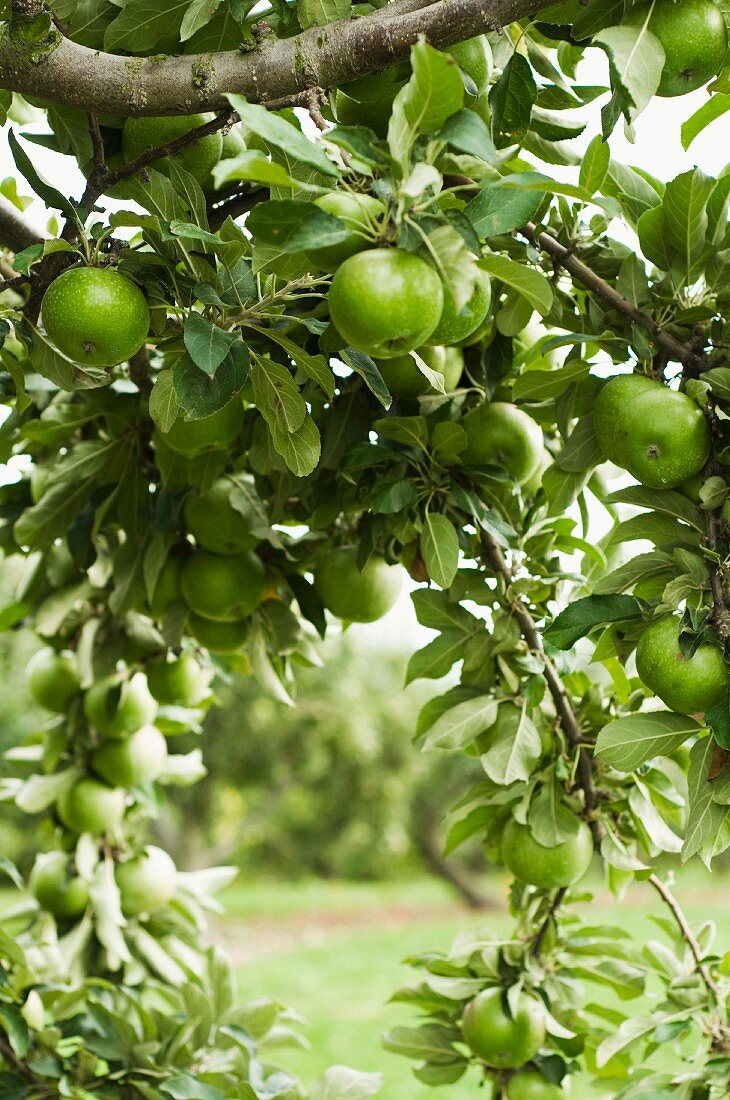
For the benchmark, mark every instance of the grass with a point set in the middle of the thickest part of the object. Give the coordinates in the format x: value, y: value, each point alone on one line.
x: 340, y: 978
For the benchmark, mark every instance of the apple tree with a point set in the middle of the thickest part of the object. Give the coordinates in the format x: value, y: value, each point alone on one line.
x: 345, y: 320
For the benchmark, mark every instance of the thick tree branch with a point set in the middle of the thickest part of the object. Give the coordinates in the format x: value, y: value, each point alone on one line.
x: 76, y: 76
x: 676, y: 350
x: 15, y: 233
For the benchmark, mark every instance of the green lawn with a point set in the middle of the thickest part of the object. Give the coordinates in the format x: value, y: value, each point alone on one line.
x: 340, y: 978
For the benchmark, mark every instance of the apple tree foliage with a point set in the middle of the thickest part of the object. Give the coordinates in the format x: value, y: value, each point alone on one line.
x: 485, y: 490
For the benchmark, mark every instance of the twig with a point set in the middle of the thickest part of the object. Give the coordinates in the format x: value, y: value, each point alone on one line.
x: 563, y: 706
x: 7, y: 1052
x: 549, y: 917
x: 687, y: 934
x: 235, y: 205
x: 677, y: 350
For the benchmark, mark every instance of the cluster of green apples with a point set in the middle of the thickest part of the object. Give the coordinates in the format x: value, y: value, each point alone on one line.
x: 121, y: 749
x: 663, y: 439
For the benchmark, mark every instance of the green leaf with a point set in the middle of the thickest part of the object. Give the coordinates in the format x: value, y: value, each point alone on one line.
x: 437, y: 658
x: 531, y: 284
x: 432, y: 1043
x: 500, y: 208
x: 456, y: 264
x: 459, y: 726
x: 187, y: 1087
x: 198, y: 15
x: 364, y: 366
x: 545, y: 385
x: 277, y: 394
x: 468, y: 133
x: 314, y: 366
x: 581, y: 450
x: 436, y: 611
x: 512, y: 99
x: 715, y: 107
x: 685, y: 216
x: 207, y: 344
x: 514, y: 748
x: 582, y: 616
x: 293, y: 225
x: 665, y: 501
x: 199, y: 395
x: 164, y: 407
x: 276, y: 131
x: 143, y: 23
x: 627, y: 743
x: 317, y: 13
x: 706, y: 818
x: 594, y: 166
x: 434, y: 92
x: 440, y: 548
x: 636, y: 61
x: 341, y: 1083
x: 53, y: 199
x: 300, y: 449
x: 254, y: 165
x: 551, y: 821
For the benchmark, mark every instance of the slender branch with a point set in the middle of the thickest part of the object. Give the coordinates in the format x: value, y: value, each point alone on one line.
x: 77, y: 76
x: 15, y: 233
x: 235, y: 205
x: 9, y: 1055
x: 563, y: 706
x: 549, y: 918
x: 677, y: 350
x: 687, y: 934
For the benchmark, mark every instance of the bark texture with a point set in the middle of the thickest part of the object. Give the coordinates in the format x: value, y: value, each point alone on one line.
x: 73, y: 75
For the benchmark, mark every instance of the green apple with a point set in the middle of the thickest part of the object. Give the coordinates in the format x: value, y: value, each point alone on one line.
x: 146, y: 882
x: 404, y: 379
x: 120, y: 704
x: 216, y: 636
x: 56, y: 888
x: 215, y: 524
x: 138, y: 759
x: 501, y: 1039
x: 547, y: 868
x: 178, y: 681
x: 223, y: 588
x: 500, y: 434
x: 611, y: 406
x: 360, y: 213
x: 688, y: 685
x: 90, y: 806
x: 386, y: 302
x: 53, y: 679
x: 353, y: 594
x: 457, y: 327
x: 693, y: 35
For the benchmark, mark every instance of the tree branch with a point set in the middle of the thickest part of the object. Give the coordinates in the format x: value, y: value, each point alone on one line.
x: 9, y: 1056
x: 15, y: 233
x: 77, y: 76
x: 563, y: 706
x: 687, y: 934
x: 677, y: 350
